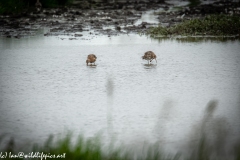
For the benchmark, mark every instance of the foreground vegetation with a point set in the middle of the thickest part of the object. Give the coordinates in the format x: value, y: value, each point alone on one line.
x: 91, y: 149
x: 213, y: 25
x: 207, y: 141
x: 82, y: 149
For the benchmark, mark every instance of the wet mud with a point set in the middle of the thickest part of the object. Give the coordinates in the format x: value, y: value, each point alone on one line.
x: 81, y: 20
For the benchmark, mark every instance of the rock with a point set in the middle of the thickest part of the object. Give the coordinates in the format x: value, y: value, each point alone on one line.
x: 143, y: 25
x: 17, y: 36
x: 3, y: 22
x: 78, y: 35
x: 7, y: 33
x: 118, y: 28
x: 78, y: 13
x: 138, y: 7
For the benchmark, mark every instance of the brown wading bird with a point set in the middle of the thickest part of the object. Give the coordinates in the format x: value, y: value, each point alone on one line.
x: 149, y: 56
x: 91, y: 58
x: 38, y: 5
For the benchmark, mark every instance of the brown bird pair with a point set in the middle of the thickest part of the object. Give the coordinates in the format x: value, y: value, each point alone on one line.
x: 149, y: 56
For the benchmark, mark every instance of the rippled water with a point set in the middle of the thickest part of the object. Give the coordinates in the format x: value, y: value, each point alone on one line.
x: 46, y: 87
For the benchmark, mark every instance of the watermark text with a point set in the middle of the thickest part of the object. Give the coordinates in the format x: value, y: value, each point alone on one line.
x: 41, y: 155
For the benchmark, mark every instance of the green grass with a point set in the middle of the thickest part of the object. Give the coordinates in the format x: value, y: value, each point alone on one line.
x: 214, y: 25
x: 87, y: 149
x: 92, y: 149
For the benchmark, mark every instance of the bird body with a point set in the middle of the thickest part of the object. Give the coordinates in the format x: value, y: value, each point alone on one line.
x: 91, y: 58
x: 149, y: 56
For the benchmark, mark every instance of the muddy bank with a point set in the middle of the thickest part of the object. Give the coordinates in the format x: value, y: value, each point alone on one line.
x: 86, y: 19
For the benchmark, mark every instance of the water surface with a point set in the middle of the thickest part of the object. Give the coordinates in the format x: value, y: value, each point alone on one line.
x: 46, y: 87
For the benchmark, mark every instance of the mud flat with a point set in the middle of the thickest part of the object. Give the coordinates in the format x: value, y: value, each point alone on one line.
x: 91, y: 19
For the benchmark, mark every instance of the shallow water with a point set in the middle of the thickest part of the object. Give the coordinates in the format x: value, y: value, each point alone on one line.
x: 46, y: 87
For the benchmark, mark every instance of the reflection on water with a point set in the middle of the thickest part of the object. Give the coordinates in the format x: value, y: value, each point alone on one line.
x: 150, y: 66
x: 92, y: 66
x: 148, y: 17
x: 46, y: 88
x: 199, y: 39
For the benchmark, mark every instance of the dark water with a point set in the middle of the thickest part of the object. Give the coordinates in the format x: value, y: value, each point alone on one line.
x: 46, y: 88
